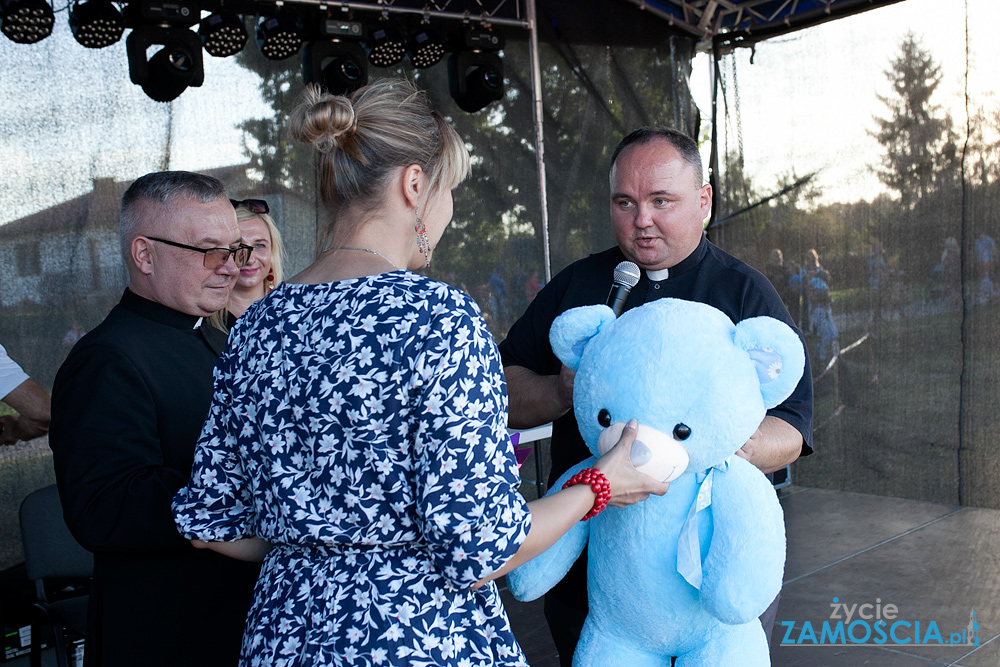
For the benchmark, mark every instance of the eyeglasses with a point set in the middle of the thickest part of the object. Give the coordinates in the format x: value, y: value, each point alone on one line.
x: 258, y: 206
x: 215, y: 257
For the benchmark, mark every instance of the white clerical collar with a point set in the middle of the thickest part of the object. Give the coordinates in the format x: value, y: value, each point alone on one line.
x: 656, y: 276
x: 198, y: 323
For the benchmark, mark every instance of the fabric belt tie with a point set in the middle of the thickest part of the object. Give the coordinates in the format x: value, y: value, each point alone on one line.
x: 689, y: 543
x: 341, y: 549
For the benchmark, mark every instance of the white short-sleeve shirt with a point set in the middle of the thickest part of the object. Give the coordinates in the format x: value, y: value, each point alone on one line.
x: 11, y: 374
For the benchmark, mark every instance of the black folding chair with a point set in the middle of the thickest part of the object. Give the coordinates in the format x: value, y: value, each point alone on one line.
x: 60, y: 568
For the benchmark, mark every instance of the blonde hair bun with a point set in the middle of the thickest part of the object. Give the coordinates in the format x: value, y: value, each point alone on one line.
x: 366, y: 136
x: 323, y: 120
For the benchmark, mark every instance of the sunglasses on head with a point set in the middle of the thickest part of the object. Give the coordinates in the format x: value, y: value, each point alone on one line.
x: 258, y: 206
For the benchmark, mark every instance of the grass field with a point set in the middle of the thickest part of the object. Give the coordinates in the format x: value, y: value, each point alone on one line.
x: 913, y: 410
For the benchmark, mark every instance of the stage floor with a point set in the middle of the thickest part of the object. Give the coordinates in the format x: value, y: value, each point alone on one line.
x: 935, y: 563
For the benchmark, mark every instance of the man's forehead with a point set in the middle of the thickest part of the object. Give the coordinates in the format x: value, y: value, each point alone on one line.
x: 657, y: 160
x: 654, y: 179
x: 202, y: 221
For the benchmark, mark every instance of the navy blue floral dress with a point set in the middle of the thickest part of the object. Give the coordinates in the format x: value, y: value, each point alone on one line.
x: 360, y: 427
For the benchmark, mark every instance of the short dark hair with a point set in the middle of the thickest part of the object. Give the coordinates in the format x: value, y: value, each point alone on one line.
x: 685, y: 145
x: 163, y: 187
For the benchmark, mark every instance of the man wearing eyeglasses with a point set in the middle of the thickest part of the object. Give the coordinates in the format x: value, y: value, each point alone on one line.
x: 128, y: 405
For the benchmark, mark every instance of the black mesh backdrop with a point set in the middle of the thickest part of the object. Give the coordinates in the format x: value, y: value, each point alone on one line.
x: 76, y: 132
x: 873, y: 141
x: 593, y: 96
x: 908, y: 407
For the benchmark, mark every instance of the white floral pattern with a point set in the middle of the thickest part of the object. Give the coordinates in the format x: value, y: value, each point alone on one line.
x: 360, y: 426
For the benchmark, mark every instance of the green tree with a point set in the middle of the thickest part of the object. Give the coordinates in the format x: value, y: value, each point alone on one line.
x: 917, y: 136
x: 740, y: 220
x: 593, y: 95
x: 983, y: 153
x: 277, y: 160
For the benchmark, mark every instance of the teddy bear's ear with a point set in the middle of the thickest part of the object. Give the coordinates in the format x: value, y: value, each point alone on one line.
x: 572, y: 330
x: 776, y: 353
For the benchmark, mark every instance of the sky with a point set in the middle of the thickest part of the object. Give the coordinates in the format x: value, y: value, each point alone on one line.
x: 808, y: 99
x: 69, y: 114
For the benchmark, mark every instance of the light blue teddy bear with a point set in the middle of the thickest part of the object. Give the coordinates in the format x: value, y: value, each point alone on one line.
x: 686, y: 574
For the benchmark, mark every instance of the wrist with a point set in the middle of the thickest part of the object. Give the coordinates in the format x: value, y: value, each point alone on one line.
x: 598, y: 484
x: 564, y: 398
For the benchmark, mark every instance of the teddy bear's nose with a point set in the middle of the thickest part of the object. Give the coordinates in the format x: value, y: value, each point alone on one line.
x: 640, y: 454
x: 653, y: 453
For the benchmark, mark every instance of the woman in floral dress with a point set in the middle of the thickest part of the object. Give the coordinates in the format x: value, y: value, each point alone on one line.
x: 357, y: 439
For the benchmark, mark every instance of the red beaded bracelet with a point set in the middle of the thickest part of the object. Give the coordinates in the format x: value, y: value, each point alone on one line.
x: 599, y: 483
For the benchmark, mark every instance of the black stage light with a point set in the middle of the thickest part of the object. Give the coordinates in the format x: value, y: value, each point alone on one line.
x: 338, y: 66
x: 426, y: 47
x: 163, y: 12
x: 280, y: 36
x: 475, y: 79
x: 96, y: 23
x: 170, y: 70
x: 26, y: 21
x: 342, y: 29
x: 386, y: 45
x: 475, y: 75
x: 223, y: 34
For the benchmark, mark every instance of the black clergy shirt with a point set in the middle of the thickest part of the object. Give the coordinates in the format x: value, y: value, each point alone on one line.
x: 128, y: 405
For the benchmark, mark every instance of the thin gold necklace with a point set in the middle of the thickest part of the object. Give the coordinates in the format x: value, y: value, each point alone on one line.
x: 369, y: 251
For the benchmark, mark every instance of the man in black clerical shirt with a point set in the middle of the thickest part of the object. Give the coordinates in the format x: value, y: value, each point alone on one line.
x: 659, y: 203
x: 128, y: 405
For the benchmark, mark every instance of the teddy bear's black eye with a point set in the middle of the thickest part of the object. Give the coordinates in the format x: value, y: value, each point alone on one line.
x: 682, y: 432
x: 604, y: 418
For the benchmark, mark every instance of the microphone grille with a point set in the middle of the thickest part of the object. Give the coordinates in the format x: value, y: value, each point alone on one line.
x: 627, y: 273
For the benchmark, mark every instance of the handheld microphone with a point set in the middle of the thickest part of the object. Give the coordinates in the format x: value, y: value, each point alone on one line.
x: 626, y: 276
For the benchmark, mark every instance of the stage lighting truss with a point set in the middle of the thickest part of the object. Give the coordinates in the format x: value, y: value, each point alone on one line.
x: 96, y: 24
x: 426, y: 47
x: 162, y: 12
x: 386, y: 45
x: 475, y: 72
x: 26, y: 21
x: 169, y: 71
x: 279, y: 36
x: 223, y: 33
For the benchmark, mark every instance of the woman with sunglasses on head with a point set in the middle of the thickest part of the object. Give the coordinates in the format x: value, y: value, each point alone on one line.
x: 263, y: 271
x: 359, y: 423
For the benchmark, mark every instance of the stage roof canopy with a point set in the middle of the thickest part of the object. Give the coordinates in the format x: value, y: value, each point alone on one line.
x: 725, y: 22
x: 743, y: 21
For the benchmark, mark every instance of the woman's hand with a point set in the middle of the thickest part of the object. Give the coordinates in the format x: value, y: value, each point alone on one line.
x: 250, y: 549
x: 556, y: 513
x: 628, y: 485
